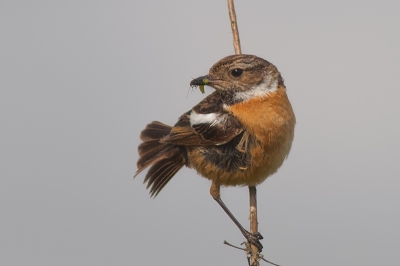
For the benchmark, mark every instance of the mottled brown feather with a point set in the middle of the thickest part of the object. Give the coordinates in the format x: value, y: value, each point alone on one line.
x: 165, y: 159
x: 183, y: 133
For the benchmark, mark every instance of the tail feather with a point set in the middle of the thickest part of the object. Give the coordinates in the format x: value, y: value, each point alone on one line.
x: 155, y: 131
x: 150, y: 154
x: 150, y: 150
x: 165, y: 159
x: 162, y: 172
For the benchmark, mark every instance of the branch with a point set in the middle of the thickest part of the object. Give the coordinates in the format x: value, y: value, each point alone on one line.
x: 235, y: 30
x: 253, y: 224
x: 247, y: 250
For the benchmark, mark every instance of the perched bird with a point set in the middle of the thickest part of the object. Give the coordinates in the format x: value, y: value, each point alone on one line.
x: 238, y: 135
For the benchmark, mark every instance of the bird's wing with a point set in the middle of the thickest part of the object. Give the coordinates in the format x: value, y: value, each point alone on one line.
x: 206, y: 124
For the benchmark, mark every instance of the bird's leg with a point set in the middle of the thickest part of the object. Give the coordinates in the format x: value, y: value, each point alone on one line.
x: 251, y: 238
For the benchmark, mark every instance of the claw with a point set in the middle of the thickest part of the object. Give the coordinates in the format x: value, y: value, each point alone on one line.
x: 254, y: 239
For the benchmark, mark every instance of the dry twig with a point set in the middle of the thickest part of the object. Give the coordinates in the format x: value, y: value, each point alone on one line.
x: 235, y: 30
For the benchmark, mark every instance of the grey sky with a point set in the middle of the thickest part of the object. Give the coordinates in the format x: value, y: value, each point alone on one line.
x: 79, y: 80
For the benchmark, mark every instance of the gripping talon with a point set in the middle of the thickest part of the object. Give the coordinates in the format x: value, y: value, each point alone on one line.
x: 254, y: 239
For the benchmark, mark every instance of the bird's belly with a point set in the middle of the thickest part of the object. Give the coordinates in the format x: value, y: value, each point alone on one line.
x: 233, y: 165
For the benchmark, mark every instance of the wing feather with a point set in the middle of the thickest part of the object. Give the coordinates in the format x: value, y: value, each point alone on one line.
x: 221, y: 128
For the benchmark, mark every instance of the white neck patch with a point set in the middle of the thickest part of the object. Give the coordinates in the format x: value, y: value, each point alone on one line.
x: 262, y: 89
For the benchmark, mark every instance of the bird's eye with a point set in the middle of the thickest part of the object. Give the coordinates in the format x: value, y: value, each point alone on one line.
x: 237, y: 72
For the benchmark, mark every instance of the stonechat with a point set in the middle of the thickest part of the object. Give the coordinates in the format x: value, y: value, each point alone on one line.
x: 238, y: 135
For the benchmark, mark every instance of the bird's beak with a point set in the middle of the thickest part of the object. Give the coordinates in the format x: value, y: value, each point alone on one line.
x: 201, y: 81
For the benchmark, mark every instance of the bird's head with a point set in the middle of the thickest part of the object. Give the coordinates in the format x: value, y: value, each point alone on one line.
x: 241, y: 77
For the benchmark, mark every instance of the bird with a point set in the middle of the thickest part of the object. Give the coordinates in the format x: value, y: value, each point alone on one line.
x: 238, y: 135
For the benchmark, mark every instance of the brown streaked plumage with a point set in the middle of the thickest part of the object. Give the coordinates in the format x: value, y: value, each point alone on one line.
x: 238, y: 135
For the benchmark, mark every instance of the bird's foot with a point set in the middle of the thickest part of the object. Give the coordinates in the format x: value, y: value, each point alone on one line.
x: 254, y: 239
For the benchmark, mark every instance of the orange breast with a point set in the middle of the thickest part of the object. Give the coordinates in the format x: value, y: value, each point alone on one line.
x: 266, y: 117
x: 270, y: 121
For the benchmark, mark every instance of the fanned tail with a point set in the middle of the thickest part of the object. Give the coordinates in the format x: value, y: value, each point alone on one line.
x: 165, y: 159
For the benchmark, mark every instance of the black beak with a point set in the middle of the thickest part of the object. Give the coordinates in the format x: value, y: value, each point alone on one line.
x: 200, y: 81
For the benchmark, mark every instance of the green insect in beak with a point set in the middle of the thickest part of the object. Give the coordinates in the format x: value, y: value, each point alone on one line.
x: 201, y: 82
x: 201, y: 88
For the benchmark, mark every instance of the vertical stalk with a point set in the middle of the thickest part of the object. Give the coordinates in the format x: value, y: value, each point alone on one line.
x: 235, y: 30
x: 253, y: 224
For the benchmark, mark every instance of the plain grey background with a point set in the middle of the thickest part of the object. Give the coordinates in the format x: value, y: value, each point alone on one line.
x: 79, y: 80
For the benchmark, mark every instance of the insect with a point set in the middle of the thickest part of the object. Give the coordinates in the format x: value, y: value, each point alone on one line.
x: 201, y: 88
